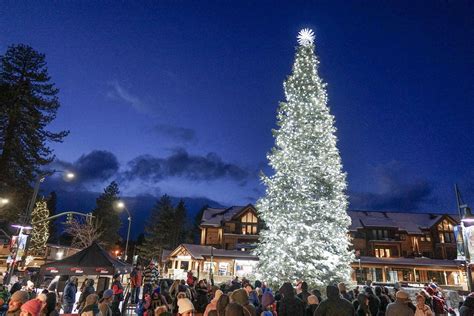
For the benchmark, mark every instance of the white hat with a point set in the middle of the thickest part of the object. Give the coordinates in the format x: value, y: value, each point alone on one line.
x: 185, y: 305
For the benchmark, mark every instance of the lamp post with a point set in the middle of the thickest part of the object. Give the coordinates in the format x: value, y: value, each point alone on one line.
x: 121, y: 205
x: 39, y: 179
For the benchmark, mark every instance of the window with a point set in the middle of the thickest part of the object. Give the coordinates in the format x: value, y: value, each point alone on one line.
x: 445, y: 232
x: 249, y: 224
x: 184, y: 265
x: 382, y: 252
x: 379, y: 234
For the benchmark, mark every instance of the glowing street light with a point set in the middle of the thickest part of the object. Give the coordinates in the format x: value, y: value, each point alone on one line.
x: 70, y: 175
x: 4, y: 201
x: 121, y: 205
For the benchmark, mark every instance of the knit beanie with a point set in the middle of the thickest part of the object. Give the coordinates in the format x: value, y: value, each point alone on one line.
x: 33, y: 307
x: 20, y: 296
x: 185, y: 305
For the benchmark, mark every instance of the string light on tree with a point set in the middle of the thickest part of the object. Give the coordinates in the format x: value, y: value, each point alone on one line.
x: 40, y: 231
x: 304, y: 208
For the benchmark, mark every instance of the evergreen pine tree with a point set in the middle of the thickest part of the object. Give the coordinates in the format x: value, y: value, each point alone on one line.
x: 28, y: 103
x: 179, y: 224
x: 107, y: 216
x: 306, y: 234
x: 159, y: 232
x: 52, y: 204
x: 40, y: 231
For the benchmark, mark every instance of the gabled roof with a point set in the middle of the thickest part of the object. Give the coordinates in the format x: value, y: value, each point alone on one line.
x: 412, y: 223
x: 199, y: 252
x: 214, y: 217
x: 93, y: 260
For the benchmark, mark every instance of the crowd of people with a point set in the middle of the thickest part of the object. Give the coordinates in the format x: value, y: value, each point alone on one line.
x: 152, y: 296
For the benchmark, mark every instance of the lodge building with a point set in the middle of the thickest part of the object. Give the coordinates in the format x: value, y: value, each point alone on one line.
x: 389, y: 247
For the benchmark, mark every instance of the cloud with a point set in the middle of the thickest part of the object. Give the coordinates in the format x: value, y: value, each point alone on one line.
x: 183, y: 165
x: 395, y: 191
x: 177, y: 133
x: 118, y: 92
x: 96, y: 166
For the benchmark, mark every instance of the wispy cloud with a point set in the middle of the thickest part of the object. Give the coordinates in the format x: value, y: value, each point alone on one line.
x: 182, y: 134
x: 118, y: 92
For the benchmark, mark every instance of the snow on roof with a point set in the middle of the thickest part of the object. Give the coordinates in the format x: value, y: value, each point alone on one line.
x: 215, y: 216
x: 198, y: 252
x: 412, y: 223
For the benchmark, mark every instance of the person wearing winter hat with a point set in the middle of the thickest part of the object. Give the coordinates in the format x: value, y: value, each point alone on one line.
x: 185, y: 307
x: 222, y: 303
x: 16, y: 301
x: 400, y: 306
x: 31, y: 308
x: 241, y: 297
x: 213, y: 304
x: 105, y: 302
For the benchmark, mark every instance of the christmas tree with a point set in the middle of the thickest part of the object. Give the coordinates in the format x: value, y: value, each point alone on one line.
x: 40, y: 231
x: 304, y: 208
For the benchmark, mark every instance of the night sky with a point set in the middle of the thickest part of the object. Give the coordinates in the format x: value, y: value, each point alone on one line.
x: 180, y: 97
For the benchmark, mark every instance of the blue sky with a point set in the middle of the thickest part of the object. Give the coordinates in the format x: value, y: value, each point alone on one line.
x: 180, y: 97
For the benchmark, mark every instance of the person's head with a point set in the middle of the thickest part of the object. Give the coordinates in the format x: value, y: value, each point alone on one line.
x: 378, y: 290
x: 239, y: 296
x: 248, y: 288
x: 332, y: 292
x: 342, y: 287
x: 90, y: 282
x: 267, y: 300
x: 50, y: 302
x: 73, y: 280
x: 92, y: 299
x: 181, y: 295
x: 31, y: 308
x: 222, y: 303
x: 160, y: 310
x: 420, y: 299
x: 30, y: 285
x: 369, y: 291
x: 234, y: 309
x: 185, y: 307
x: 259, y: 291
x: 304, y: 286
x: 402, y: 296
x: 287, y: 290
x: 108, y: 296
x: 117, y: 277
x: 217, y: 295
x: 18, y: 298
x: 363, y: 299
x: 313, y: 300
x: 258, y: 284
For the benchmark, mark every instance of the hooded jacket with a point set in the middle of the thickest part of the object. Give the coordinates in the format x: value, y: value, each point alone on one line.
x: 241, y: 297
x: 334, y: 305
x: 290, y: 304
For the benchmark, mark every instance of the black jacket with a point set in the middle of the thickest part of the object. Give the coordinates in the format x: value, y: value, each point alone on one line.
x: 290, y: 304
x: 334, y: 305
x: 467, y: 308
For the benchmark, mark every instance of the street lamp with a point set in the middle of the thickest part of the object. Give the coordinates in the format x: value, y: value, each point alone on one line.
x: 121, y: 205
x: 39, y: 179
x: 4, y: 201
x: 466, y: 217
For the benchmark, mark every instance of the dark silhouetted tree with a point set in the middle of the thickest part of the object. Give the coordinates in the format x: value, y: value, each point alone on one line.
x: 28, y: 104
x: 159, y: 232
x: 107, y: 216
x: 52, y: 205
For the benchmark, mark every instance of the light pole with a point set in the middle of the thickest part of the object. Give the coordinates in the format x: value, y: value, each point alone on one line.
x: 466, y: 218
x: 121, y: 205
x: 39, y: 179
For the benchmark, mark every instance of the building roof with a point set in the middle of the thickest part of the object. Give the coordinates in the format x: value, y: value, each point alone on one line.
x: 199, y: 252
x: 411, y: 262
x: 214, y: 217
x: 412, y: 223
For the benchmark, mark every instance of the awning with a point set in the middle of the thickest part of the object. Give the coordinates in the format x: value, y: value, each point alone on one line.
x: 93, y: 260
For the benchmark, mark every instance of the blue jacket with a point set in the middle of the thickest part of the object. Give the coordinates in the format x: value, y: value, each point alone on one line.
x: 69, y: 296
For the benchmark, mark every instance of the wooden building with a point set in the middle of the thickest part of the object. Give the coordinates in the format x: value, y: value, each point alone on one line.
x: 389, y: 246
